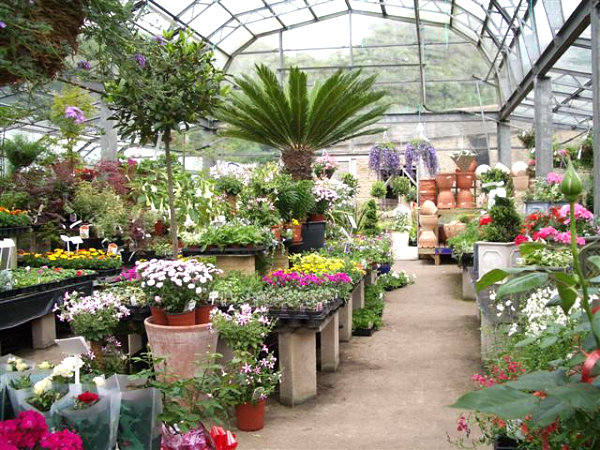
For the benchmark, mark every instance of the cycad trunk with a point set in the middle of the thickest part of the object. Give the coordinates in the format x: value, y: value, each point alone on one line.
x: 298, y: 162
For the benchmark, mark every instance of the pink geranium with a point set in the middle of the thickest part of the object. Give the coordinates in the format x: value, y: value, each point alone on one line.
x: 565, y: 238
x: 545, y: 233
x: 554, y: 178
x: 581, y: 213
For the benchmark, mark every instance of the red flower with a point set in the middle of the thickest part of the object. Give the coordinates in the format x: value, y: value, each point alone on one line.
x: 485, y: 220
x: 520, y: 239
x: 79, y: 273
x: 88, y: 397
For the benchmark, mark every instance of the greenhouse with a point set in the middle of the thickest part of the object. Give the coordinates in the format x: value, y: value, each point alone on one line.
x: 299, y: 224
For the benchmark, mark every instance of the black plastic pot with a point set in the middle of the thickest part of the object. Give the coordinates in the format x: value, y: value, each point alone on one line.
x: 505, y: 443
x: 313, y: 237
x: 363, y: 331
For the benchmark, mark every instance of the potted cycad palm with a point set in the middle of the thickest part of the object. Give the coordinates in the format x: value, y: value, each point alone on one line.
x: 299, y: 120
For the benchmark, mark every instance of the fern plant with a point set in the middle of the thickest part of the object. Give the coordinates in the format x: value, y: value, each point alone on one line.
x: 22, y: 152
x: 298, y: 120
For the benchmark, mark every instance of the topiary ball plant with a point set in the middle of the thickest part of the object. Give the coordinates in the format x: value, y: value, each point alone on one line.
x: 368, y: 223
x: 378, y: 189
x: 505, y: 223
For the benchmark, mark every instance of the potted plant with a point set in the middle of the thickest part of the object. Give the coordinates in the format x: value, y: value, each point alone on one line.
x: 253, y: 375
x: 325, y: 198
x: 292, y: 119
x: 230, y: 179
x: 180, y: 288
x: 95, y: 317
x: 379, y: 190
x: 423, y: 154
x: 465, y: 160
x: 161, y: 72
x: 544, y: 194
x: 401, y: 187
x: 497, y: 249
x: 384, y: 159
x: 324, y: 166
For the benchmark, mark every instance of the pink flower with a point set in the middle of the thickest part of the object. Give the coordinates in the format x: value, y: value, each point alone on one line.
x: 565, y: 238
x: 554, y: 178
x: 462, y: 425
x: 581, y: 213
x: 544, y: 233
x: 520, y: 239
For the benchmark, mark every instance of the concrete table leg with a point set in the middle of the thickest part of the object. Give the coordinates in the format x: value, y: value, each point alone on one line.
x: 468, y: 291
x: 358, y: 296
x: 345, y: 320
x: 298, y: 362
x: 370, y: 277
x: 330, y: 344
x: 241, y: 263
x: 43, y: 331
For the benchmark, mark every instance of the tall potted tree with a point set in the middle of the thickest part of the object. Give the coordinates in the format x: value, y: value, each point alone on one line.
x: 165, y: 83
x: 298, y: 120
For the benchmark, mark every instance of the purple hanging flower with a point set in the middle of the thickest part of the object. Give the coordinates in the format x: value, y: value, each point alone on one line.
x: 384, y: 157
x: 140, y: 59
x: 422, y: 150
x: 84, y: 65
x: 2, y: 24
x: 73, y: 112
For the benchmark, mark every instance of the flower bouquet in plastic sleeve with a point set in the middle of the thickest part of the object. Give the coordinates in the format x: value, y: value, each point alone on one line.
x: 88, y: 414
x: 20, y: 386
x: 194, y: 439
x: 140, y: 406
x: 10, y: 364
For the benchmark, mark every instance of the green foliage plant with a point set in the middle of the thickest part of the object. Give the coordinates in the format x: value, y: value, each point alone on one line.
x: 378, y: 189
x: 22, y: 152
x: 351, y: 181
x: 400, y: 186
x: 298, y: 120
x: 368, y: 223
x: 506, y: 222
x: 164, y: 85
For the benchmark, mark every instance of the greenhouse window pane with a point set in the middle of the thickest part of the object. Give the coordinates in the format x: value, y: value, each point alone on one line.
x: 264, y: 26
x: 295, y: 17
x: 369, y: 6
x: 472, y: 7
x: 210, y: 20
x: 311, y: 36
x: 400, y: 12
x: 235, y: 40
x: 330, y: 7
x: 542, y: 27
x: 237, y: 7
x: 576, y: 58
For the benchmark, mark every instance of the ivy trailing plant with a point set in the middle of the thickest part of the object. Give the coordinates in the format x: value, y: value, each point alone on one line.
x: 564, y: 400
x: 167, y: 83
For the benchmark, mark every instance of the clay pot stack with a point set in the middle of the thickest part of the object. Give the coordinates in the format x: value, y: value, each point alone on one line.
x: 464, y: 183
x: 428, y: 219
x: 445, y: 199
x: 426, y: 191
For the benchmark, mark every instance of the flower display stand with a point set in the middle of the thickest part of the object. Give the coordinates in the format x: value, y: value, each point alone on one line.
x: 280, y: 260
x: 298, y: 358
x: 358, y: 294
x: 346, y: 313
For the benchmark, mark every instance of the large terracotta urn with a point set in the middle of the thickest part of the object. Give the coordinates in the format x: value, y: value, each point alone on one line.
x: 464, y: 183
x: 445, y: 199
x: 184, y: 348
x: 427, y: 191
x: 428, y: 238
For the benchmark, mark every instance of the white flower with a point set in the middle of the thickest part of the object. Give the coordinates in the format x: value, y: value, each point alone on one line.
x: 62, y: 371
x: 45, y: 365
x: 21, y: 366
x: 100, y: 381
x: 42, y: 386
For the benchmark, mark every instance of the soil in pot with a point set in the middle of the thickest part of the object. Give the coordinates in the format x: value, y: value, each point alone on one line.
x: 250, y: 417
x: 159, y: 316
x: 182, y: 319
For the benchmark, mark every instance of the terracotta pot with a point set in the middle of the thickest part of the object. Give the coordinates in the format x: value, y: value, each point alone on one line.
x: 160, y: 228
x: 520, y: 183
x: 464, y: 180
x: 232, y: 200
x: 159, y: 316
x: 428, y: 208
x: 317, y: 218
x: 465, y: 199
x: 182, y: 348
x: 454, y: 228
x: 428, y: 222
x: 446, y: 200
x: 426, y: 185
x: 473, y: 166
x: 297, y: 237
x: 427, y: 197
x: 276, y: 230
x: 203, y: 314
x: 444, y: 181
x: 428, y: 239
x: 183, y: 319
x: 250, y: 417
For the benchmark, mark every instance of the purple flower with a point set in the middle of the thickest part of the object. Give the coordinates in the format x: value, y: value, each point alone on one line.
x: 140, y: 59
x: 73, y: 112
x: 84, y: 65
x: 2, y: 24
x: 159, y: 39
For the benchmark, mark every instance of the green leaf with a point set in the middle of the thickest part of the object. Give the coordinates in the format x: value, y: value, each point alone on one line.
x: 549, y: 341
x: 530, y: 247
x: 554, y: 301
x: 567, y: 290
x: 540, y: 380
x: 522, y: 284
x: 525, y: 342
x: 501, y: 400
x: 549, y: 410
x: 595, y: 260
x: 578, y: 395
x: 490, y: 278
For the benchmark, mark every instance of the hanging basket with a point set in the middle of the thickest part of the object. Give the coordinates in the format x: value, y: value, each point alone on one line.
x: 49, y: 37
x: 463, y: 161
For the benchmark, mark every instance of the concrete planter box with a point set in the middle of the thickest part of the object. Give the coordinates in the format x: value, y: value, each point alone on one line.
x: 495, y: 255
x: 532, y: 206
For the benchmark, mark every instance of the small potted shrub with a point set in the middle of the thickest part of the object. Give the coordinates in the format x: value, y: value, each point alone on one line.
x: 324, y: 166
x: 378, y: 190
x: 401, y: 187
x: 497, y: 249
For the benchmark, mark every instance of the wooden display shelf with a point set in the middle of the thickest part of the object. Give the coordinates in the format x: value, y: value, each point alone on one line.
x: 435, y: 253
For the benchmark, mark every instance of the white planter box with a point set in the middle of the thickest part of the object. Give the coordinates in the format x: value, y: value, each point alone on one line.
x: 495, y: 255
